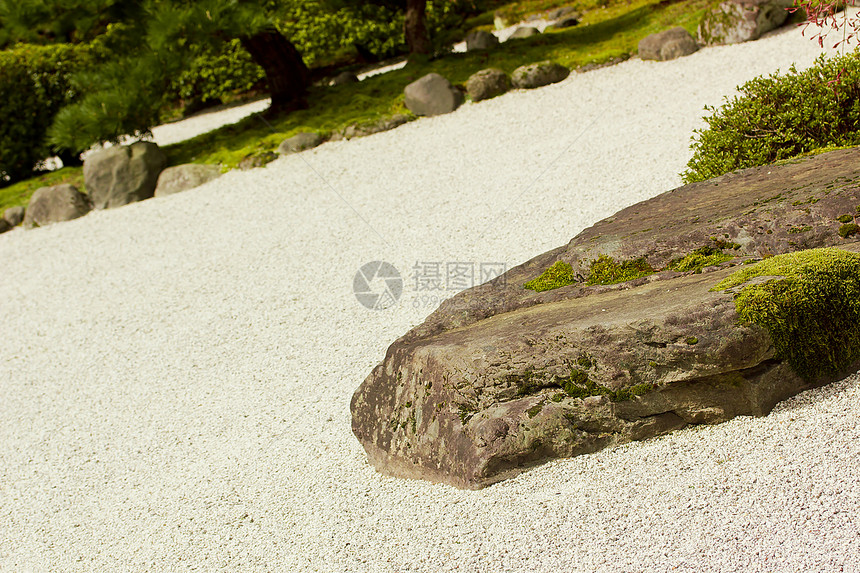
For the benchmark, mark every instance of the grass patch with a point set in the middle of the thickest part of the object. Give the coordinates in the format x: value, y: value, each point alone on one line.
x: 609, y: 29
x: 604, y: 34
x: 811, y: 313
x: 18, y: 194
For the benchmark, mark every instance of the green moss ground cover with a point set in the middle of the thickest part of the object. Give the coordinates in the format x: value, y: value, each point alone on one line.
x: 19, y: 193
x: 604, y: 34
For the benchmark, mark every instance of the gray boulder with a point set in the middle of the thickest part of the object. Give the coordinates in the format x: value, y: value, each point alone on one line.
x: 559, y: 13
x: 524, y: 32
x: 568, y: 22
x: 501, y: 21
x: 502, y: 377
x: 4, y: 226
x: 432, y: 95
x: 738, y: 21
x: 480, y: 40
x: 183, y: 177
x: 539, y: 74
x: 300, y: 142
x: 487, y: 84
x: 55, y: 204
x: 344, y: 78
x: 121, y: 175
x: 14, y: 215
x: 667, y: 45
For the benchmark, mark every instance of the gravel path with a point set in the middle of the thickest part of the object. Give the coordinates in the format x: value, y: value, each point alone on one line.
x: 176, y: 374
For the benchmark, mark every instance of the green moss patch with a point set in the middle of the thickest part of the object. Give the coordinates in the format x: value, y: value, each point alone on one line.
x: 558, y: 275
x: 576, y: 385
x: 607, y: 271
x: 848, y: 230
x: 534, y: 410
x: 699, y: 259
x: 812, y: 312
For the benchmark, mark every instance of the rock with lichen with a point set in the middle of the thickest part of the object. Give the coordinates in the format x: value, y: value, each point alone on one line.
x: 488, y: 83
x: 735, y: 21
x: 481, y: 40
x: 667, y: 45
x: 55, y: 204
x: 432, y: 95
x: 628, y: 331
x: 125, y: 174
x: 538, y: 75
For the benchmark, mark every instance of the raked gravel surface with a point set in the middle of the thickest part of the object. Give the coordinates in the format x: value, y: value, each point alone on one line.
x: 175, y: 375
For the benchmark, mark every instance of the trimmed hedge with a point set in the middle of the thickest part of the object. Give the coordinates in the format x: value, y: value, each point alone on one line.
x: 780, y: 117
x: 34, y: 85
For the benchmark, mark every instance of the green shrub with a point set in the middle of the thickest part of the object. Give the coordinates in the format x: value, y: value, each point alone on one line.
x: 216, y: 73
x: 324, y: 36
x: 34, y: 85
x: 780, y: 117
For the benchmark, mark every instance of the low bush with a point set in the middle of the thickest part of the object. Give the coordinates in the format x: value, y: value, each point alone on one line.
x: 34, y: 85
x: 215, y: 74
x: 780, y: 117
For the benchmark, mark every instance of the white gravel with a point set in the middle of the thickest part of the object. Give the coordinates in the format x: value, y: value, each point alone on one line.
x: 176, y: 374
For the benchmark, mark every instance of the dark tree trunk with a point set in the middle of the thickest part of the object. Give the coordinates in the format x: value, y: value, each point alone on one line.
x: 415, y: 27
x: 286, y: 72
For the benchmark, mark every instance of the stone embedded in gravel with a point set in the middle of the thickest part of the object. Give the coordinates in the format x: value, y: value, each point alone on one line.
x: 738, y: 21
x: 524, y: 32
x: 344, y: 78
x: 4, y: 226
x: 487, y: 84
x: 120, y: 175
x: 480, y: 40
x: 432, y: 95
x: 183, y: 177
x: 365, y: 129
x: 255, y: 160
x: 55, y: 204
x: 667, y: 45
x: 14, y: 215
x: 300, y: 142
x: 501, y: 377
x: 539, y: 74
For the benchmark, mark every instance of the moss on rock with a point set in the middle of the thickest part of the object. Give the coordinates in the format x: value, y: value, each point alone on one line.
x: 607, y: 271
x: 849, y: 229
x: 811, y: 310
x: 558, y: 275
x: 700, y: 258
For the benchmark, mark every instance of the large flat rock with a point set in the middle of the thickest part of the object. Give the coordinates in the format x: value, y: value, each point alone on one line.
x: 500, y: 377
